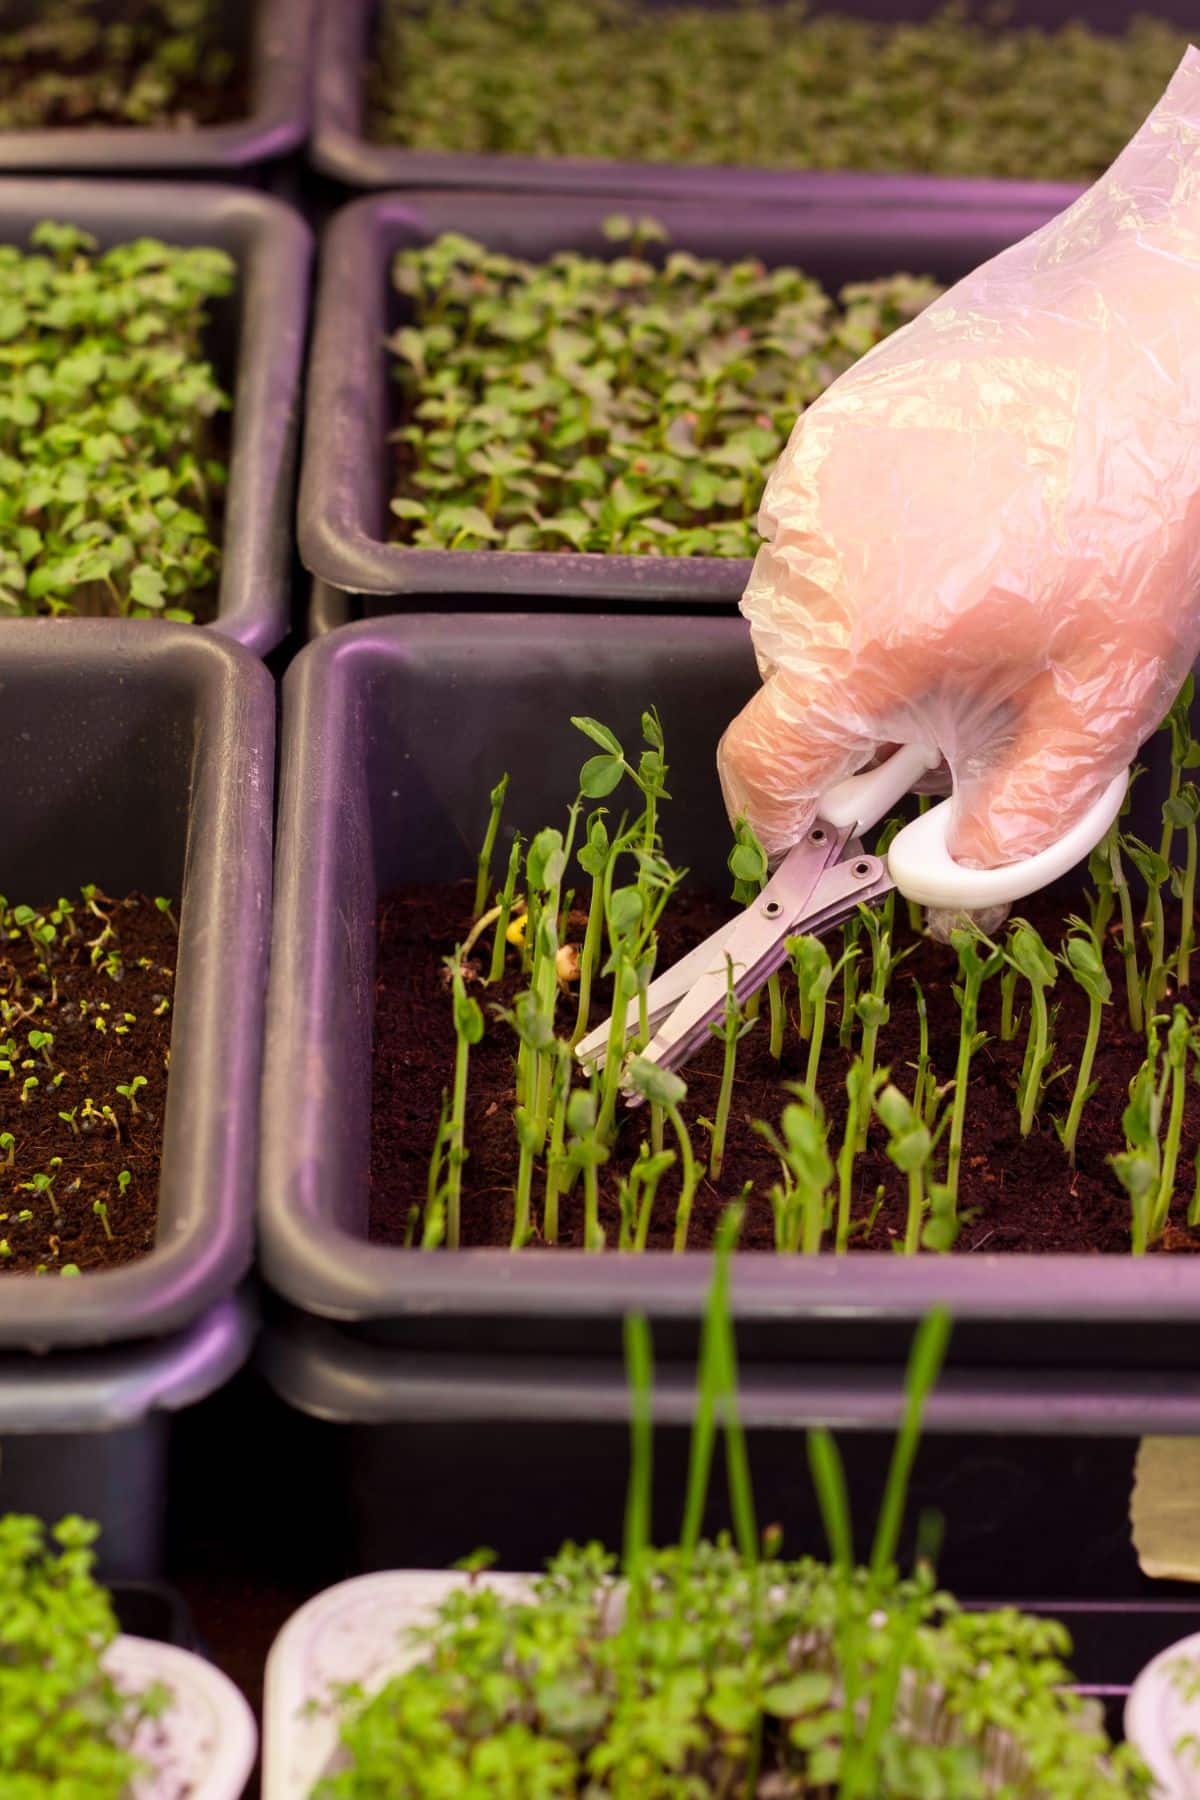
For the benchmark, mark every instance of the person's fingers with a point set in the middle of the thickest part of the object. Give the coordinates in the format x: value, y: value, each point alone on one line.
x: 780, y: 754
x: 1018, y: 792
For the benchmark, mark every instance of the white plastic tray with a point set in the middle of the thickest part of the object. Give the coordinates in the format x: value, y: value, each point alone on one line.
x: 1158, y: 1717
x: 203, y: 1745
x: 353, y: 1632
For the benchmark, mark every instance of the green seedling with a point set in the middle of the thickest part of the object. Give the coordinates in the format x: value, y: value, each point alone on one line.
x: 593, y: 860
x: 1180, y: 1056
x: 1182, y: 812
x: 8, y: 1148
x: 557, y: 1165
x: 815, y: 974
x: 483, y: 876
x: 163, y: 903
x: 71, y: 1119
x: 124, y: 1181
x: 468, y: 1030
x: 848, y: 963
x: 100, y: 1208
x: 1155, y: 872
x: 1133, y: 985
x: 862, y: 1085
x: 27, y: 1088
x: 748, y: 866
x: 911, y: 1145
x: 1027, y: 953
x: 1085, y: 962
x: 637, y: 1194
x: 664, y: 1088
x: 504, y: 910
x: 729, y: 1031
x: 977, y: 962
x: 42, y: 1042
x: 1010, y: 1019
x: 1139, y: 1166
x: 42, y: 1184
x: 129, y: 1090
x: 1083, y: 957
x: 587, y: 1152
x: 872, y: 1008
x: 801, y: 1201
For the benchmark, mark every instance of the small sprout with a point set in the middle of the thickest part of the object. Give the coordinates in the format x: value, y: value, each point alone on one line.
x: 483, y: 875
x: 1029, y: 955
x: 586, y: 1151
x: 71, y: 1119
x: 163, y: 903
x: 974, y: 969
x: 729, y: 1030
x: 1084, y: 958
x: 42, y: 1041
x: 801, y: 1201
x: 8, y: 1147
x: 664, y: 1088
x: 27, y: 1087
x: 129, y: 1090
x: 123, y: 1181
x: 101, y: 1212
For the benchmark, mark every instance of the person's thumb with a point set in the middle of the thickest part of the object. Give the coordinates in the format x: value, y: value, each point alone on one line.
x: 781, y: 753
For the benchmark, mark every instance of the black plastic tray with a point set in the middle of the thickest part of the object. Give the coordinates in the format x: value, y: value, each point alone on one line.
x: 394, y: 732
x: 345, y: 474
x: 258, y: 347
x: 341, y: 149
x: 88, y: 1431
x: 278, y: 38
x: 141, y: 757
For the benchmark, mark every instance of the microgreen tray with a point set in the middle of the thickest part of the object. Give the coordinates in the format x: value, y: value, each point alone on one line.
x: 139, y: 757
x: 353, y: 395
x: 275, y: 38
x: 257, y: 347
x: 342, y: 149
x: 394, y: 732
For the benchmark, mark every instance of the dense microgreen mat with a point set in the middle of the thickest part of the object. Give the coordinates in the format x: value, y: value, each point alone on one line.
x: 110, y: 472
x: 761, y: 83
x: 65, y: 1729
x: 635, y: 404
x: 146, y: 62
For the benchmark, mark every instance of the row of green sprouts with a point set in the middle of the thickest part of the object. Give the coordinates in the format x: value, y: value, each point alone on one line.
x: 567, y: 1117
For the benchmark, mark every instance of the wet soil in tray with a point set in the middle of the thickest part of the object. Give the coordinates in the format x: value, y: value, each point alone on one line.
x: 1015, y: 1194
x: 109, y: 1015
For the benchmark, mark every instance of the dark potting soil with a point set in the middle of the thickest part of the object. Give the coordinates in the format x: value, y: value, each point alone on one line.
x: 94, y: 1061
x: 77, y: 68
x: 1015, y: 1194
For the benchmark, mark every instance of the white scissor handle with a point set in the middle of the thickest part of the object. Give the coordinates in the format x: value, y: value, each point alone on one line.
x: 924, y: 871
x: 862, y: 800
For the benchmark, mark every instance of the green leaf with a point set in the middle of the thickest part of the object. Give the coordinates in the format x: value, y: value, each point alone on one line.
x: 599, y: 734
x: 600, y: 775
x: 147, y: 586
x: 660, y: 1086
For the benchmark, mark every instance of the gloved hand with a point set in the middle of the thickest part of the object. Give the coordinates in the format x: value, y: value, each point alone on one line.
x: 985, y: 537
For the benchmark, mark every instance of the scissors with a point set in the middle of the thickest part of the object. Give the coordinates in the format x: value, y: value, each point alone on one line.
x: 822, y: 881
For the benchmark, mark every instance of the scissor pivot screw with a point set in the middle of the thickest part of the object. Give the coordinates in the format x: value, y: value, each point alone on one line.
x: 817, y: 836
x: 862, y: 870
x: 772, y: 909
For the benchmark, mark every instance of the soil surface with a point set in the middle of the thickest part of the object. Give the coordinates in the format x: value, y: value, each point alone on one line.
x: 1015, y: 1194
x: 128, y: 995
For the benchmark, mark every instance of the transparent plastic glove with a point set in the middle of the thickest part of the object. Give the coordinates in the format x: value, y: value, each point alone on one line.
x: 985, y: 537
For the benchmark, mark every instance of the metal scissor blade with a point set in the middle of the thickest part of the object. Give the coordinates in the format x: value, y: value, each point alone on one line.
x: 758, y: 949
x: 787, y: 892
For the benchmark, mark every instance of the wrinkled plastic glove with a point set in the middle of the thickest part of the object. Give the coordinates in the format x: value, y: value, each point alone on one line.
x: 985, y: 537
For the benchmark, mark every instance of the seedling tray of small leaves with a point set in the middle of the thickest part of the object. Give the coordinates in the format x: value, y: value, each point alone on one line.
x: 151, y: 85
x: 861, y: 1106
x: 135, y: 868
x: 151, y: 347
x: 576, y: 401
x: 735, y: 101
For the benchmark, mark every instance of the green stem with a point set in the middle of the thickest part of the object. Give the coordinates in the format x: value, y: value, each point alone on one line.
x: 1133, y: 986
x: 554, y: 1157
x: 1157, y: 932
x: 916, y: 1210
x: 593, y: 1237
x: 691, y: 1178
x: 587, y: 958
x: 870, y: 1038
x: 775, y: 996
x: 1008, y: 995
x: 815, y: 1041
x: 962, y: 1073
x: 724, y: 1098
x: 1083, y: 1078
x: 1187, y: 927
x: 1039, y: 1030
x: 500, y: 941
x: 524, y: 1192
x: 483, y: 875
x: 846, y: 1177
x: 1166, y: 1185
x: 456, y: 1153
